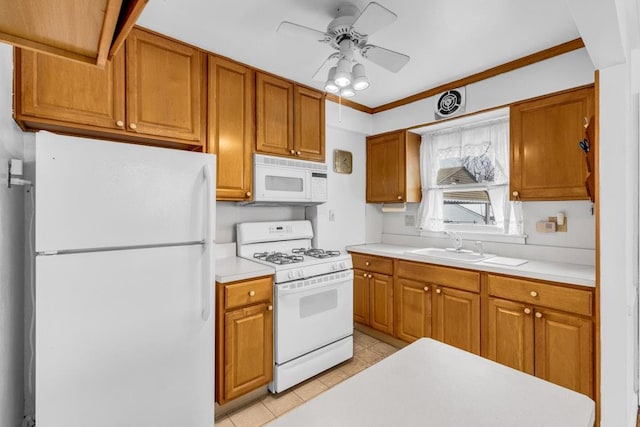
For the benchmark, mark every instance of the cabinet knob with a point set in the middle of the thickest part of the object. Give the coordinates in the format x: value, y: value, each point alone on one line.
x: 438, y: 291
x: 120, y: 123
x: 527, y: 311
x: 370, y: 276
x: 252, y: 293
x: 538, y: 315
x: 367, y: 263
x: 270, y: 308
x: 133, y: 126
x: 533, y: 294
x: 399, y: 197
x: 426, y: 289
x: 298, y: 152
x: 364, y: 275
x: 292, y: 151
x: 515, y: 194
x: 248, y: 194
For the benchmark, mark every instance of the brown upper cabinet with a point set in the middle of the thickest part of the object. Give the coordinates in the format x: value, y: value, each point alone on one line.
x: 546, y: 161
x: 84, y: 31
x: 393, y: 167
x: 290, y: 119
x: 231, y: 126
x: 166, y: 106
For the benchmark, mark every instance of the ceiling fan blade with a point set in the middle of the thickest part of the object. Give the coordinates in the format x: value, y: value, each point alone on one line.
x: 295, y: 30
x: 323, y: 71
x: 389, y: 59
x: 373, y: 18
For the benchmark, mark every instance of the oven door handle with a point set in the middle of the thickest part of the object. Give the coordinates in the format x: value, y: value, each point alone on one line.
x: 281, y: 290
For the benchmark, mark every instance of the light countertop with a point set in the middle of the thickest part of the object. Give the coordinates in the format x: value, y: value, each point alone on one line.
x: 231, y: 269
x: 574, y: 274
x: 429, y: 382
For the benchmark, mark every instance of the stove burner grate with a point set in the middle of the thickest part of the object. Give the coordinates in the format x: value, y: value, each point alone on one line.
x: 278, y: 258
x: 315, y: 253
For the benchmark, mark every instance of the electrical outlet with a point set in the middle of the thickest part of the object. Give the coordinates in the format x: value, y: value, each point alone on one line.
x: 332, y: 216
x: 410, y: 220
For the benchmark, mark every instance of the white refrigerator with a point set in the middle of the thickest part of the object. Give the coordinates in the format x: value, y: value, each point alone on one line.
x: 124, y: 242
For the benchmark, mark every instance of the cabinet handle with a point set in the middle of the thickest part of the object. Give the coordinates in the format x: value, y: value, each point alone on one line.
x: 426, y: 289
x: 120, y: 123
x: 399, y: 197
x: 270, y: 308
x: 527, y: 311
x: 538, y: 315
x: 133, y: 126
x: 292, y: 151
x: 370, y: 276
x: 367, y: 263
x: 252, y: 293
x: 533, y: 294
x: 364, y: 275
x: 248, y: 194
x: 515, y: 194
x: 438, y: 291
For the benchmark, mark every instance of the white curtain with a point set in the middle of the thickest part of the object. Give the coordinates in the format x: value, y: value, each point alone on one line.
x: 483, y: 149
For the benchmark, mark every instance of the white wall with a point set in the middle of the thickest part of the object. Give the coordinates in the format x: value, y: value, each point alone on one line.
x: 562, y: 72
x: 228, y: 214
x: 11, y: 257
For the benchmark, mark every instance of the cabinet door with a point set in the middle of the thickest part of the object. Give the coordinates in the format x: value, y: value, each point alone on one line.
x: 231, y: 123
x: 546, y: 162
x: 413, y: 309
x: 385, y: 168
x: 248, y: 349
x: 564, y: 350
x: 308, y: 129
x: 274, y: 115
x: 457, y: 318
x: 165, y: 88
x: 60, y: 90
x: 510, y: 334
x: 381, y: 291
x: 360, y: 297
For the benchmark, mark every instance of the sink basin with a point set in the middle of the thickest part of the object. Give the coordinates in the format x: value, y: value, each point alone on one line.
x: 461, y: 255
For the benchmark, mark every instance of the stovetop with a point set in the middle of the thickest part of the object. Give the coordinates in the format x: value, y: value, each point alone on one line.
x: 297, y: 255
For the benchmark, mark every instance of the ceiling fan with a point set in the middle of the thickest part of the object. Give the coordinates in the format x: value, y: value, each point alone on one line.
x: 348, y: 33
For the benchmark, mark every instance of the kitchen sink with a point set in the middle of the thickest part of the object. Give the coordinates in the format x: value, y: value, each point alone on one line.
x: 451, y: 253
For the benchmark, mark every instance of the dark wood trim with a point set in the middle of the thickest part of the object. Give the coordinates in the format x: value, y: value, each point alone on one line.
x: 491, y: 72
x: 596, y: 172
x: 334, y: 98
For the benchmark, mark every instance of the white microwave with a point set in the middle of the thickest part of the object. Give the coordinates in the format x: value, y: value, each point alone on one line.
x: 279, y: 180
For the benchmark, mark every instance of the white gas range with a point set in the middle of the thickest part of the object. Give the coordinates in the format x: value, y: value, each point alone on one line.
x: 313, y: 298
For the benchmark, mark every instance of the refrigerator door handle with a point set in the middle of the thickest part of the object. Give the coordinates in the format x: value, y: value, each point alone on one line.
x: 207, y: 279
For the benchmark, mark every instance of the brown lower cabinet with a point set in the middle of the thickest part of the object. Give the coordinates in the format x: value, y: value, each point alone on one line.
x: 555, y: 346
x: 542, y: 328
x: 244, y: 337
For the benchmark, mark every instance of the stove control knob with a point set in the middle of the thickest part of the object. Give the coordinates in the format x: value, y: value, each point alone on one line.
x: 291, y: 275
x: 300, y: 273
x: 343, y: 265
x: 334, y: 267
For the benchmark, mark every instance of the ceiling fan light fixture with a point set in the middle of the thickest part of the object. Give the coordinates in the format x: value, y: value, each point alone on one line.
x: 347, y: 92
x: 330, y: 85
x: 360, y: 80
x: 343, y: 73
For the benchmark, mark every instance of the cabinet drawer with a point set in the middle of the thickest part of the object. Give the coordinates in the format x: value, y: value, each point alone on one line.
x: 248, y: 292
x: 446, y: 276
x: 542, y: 294
x: 373, y: 263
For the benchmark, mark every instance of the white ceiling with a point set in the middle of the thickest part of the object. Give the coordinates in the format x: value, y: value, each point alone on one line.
x: 446, y: 39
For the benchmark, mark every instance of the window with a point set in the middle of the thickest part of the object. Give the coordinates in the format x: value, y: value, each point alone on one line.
x: 465, y: 179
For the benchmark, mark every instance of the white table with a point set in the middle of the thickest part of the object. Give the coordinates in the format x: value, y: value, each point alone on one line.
x: 429, y: 383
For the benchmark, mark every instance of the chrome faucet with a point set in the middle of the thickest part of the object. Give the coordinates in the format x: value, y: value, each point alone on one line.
x: 457, y: 239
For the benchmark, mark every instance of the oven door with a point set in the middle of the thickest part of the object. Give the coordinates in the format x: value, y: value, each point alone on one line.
x: 279, y: 184
x: 312, y: 313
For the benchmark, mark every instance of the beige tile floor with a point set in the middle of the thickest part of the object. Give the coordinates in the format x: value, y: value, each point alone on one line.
x: 366, y: 350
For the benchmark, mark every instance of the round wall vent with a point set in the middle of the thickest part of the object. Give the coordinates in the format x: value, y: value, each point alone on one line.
x: 449, y: 103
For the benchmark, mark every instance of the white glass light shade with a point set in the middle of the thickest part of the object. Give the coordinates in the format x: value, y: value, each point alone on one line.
x: 330, y: 85
x: 347, y: 92
x: 343, y: 73
x: 360, y: 81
